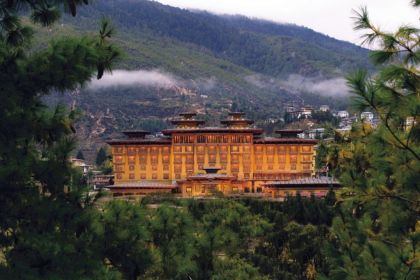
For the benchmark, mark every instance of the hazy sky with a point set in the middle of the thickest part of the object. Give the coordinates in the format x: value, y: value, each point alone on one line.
x: 332, y: 17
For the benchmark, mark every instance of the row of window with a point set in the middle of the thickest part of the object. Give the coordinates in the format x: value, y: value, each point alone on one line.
x: 189, y: 159
x: 281, y: 149
x: 212, y: 139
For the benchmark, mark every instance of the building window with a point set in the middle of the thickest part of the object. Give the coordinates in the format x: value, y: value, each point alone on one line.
x: 131, y: 167
x: 212, y: 158
x: 165, y: 159
x: 118, y: 150
x: 143, y: 167
x: 190, y: 159
x: 166, y: 167
x: 131, y: 176
x: 118, y: 159
x: 281, y: 149
x: 131, y: 159
x: 223, y: 149
x: 306, y: 149
x: 143, y: 176
x: 235, y: 159
x: 166, y: 176
x: 307, y: 158
x: 177, y: 168
x: 282, y: 158
x: 119, y: 176
x: 293, y: 166
x: 188, y: 149
x: 154, y: 160
x: 154, y: 176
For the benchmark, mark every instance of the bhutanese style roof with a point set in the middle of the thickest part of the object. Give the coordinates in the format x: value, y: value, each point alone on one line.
x: 305, y: 182
x: 210, y: 176
x: 136, y: 133
x: 188, y: 115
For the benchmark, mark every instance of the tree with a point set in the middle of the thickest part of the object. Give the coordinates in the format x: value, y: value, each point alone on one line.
x: 376, y: 233
x: 225, y: 230
x: 80, y: 155
x: 47, y: 222
x: 127, y: 240
x: 101, y: 157
x: 172, y: 232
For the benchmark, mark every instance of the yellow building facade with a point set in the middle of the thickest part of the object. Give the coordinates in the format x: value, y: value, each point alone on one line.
x: 195, y: 160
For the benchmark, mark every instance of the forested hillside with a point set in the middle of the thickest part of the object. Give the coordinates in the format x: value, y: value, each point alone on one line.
x: 266, y: 47
x: 215, y: 63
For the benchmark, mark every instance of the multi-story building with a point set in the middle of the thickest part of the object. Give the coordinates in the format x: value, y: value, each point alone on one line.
x: 196, y: 160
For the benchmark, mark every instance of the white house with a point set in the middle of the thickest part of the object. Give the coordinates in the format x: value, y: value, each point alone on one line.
x: 324, y: 108
x: 367, y: 116
x: 343, y: 114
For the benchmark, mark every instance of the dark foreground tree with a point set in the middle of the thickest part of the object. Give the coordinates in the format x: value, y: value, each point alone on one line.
x: 47, y: 222
x: 377, y: 232
x: 80, y: 155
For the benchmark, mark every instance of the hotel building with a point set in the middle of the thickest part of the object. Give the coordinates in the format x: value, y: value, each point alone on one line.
x: 194, y: 160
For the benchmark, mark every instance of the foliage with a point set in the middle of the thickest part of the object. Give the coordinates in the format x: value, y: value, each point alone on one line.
x: 376, y: 234
x: 101, y: 157
x: 47, y: 222
x: 80, y: 155
x: 292, y: 248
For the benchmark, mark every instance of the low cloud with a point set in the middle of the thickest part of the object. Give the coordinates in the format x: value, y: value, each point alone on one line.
x: 335, y: 87
x: 138, y: 78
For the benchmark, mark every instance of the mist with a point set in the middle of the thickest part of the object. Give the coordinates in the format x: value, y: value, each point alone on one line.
x: 137, y: 78
x: 335, y: 87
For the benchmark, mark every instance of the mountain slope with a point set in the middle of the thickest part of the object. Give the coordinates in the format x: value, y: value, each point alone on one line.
x: 262, y: 46
x: 214, y: 63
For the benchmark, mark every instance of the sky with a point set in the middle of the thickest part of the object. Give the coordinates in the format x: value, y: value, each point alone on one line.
x: 331, y: 17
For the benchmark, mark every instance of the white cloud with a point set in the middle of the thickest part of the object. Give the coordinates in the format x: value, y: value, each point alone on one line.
x: 335, y: 87
x: 138, y: 78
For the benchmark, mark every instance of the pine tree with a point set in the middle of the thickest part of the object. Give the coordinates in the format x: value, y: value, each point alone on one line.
x: 377, y: 231
x: 101, y: 157
x: 48, y: 225
x: 80, y: 155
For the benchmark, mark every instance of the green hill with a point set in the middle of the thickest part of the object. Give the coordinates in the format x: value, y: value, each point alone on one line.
x: 214, y: 63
